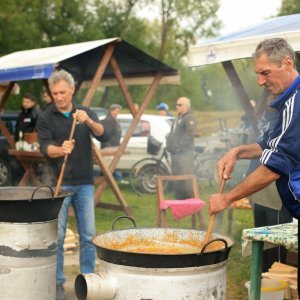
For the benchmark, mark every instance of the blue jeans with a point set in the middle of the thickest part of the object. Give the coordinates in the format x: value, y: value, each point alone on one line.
x: 83, y: 204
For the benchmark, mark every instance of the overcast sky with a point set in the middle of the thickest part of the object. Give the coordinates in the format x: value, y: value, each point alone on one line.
x: 238, y: 14
x: 235, y: 14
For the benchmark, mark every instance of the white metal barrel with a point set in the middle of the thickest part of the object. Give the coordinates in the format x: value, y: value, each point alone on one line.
x: 28, y: 260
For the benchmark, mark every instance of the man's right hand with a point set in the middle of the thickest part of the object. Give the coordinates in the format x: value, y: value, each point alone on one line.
x: 68, y: 146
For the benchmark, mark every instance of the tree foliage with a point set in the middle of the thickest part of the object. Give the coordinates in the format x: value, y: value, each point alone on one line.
x: 289, y: 7
x: 167, y: 36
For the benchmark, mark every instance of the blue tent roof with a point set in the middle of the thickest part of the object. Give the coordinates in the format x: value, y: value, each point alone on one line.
x: 266, y: 27
x: 25, y: 73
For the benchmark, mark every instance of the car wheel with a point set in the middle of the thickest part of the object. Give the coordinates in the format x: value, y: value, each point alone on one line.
x: 143, y: 175
x: 5, y: 173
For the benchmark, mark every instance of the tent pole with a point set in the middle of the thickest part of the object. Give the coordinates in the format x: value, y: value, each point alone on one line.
x: 240, y: 92
x: 6, y: 94
x: 130, y: 130
x: 122, y: 85
x: 98, y: 75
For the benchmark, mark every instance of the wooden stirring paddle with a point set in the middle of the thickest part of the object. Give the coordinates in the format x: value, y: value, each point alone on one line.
x: 212, y: 219
x: 62, y: 171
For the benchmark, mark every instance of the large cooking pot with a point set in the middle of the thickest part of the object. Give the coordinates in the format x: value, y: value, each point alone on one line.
x: 123, y: 247
x: 30, y: 204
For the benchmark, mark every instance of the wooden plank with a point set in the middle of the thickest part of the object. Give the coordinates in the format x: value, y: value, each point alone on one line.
x: 240, y: 92
x: 108, y: 176
x: 122, y: 85
x: 130, y: 130
x: 6, y: 94
x: 99, y: 73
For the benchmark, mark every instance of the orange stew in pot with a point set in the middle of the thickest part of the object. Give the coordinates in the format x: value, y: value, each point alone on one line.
x: 170, y: 244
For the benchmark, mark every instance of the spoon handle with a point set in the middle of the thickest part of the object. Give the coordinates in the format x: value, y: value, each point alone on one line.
x: 212, y: 218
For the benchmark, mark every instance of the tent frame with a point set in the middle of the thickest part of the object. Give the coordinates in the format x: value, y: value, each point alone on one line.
x: 107, y: 178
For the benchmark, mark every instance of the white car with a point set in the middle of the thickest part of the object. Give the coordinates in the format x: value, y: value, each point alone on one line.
x: 149, y: 125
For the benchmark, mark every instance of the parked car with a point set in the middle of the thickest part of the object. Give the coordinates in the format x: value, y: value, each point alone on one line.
x: 100, y: 111
x: 11, y: 169
x: 150, y: 125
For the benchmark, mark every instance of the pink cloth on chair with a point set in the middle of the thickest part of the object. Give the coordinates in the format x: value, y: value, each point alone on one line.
x: 182, y: 208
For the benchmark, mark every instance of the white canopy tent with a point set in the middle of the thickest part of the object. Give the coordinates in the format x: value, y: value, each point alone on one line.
x: 241, y: 44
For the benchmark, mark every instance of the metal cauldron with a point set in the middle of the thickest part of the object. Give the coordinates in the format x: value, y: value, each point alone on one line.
x: 30, y: 204
x: 28, y: 242
x: 129, y: 274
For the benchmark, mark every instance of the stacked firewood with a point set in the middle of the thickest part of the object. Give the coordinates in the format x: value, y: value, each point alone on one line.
x: 287, y: 273
x: 71, y: 242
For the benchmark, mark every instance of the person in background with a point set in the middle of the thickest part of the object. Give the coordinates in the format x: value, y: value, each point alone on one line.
x: 114, y: 132
x: 279, y: 148
x: 180, y: 143
x: 46, y: 98
x: 54, y: 127
x: 27, y: 118
x: 163, y: 109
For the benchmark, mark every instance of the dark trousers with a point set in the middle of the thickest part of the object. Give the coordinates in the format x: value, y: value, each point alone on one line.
x: 182, y: 164
x: 264, y: 216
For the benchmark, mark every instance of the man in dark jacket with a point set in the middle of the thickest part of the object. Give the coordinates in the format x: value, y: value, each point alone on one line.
x: 27, y: 117
x: 54, y: 126
x: 180, y: 144
x: 113, y: 131
x: 113, y: 128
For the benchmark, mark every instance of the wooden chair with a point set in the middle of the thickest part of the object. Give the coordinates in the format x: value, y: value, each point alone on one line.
x: 161, y: 213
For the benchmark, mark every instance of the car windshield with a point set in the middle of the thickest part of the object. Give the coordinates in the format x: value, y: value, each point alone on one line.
x: 142, y: 129
x: 100, y: 111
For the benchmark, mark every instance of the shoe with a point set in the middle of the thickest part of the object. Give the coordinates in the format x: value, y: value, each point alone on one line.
x: 60, y: 292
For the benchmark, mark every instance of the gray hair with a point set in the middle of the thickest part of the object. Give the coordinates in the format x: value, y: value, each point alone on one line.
x: 276, y: 49
x: 60, y: 75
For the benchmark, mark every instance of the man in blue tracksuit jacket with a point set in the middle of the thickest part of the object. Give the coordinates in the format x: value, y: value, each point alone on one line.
x: 279, y: 150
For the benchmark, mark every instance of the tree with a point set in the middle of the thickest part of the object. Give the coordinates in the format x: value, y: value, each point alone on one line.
x: 182, y: 22
x: 289, y: 7
x: 28, y: 24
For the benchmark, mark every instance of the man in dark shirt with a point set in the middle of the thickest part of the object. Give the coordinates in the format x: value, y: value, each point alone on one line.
x: 54, y: 126
x: 113, y: 128
x: 27, y: 118
x: 113, y: 131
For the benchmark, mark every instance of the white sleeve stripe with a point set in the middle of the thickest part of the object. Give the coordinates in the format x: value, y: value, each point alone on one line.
x: 266, y: 155
x: 287, y: 115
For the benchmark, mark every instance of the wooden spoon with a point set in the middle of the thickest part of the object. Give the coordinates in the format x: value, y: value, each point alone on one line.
x: 212, y: 219
x: 62, y: 171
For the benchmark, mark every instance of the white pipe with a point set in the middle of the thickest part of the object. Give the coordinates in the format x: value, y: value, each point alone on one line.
x: 95, y: 286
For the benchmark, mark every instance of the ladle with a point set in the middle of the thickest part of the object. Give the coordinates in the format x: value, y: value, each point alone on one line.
x: 62, y: 171
x: 212, y: 218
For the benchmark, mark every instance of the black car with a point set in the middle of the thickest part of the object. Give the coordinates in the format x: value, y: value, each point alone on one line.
x: 11, y: 170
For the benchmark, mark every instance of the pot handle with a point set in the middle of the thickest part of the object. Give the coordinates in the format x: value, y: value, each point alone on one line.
x: 122, y: 217
x: 40, y: 186
x: 212, y: 241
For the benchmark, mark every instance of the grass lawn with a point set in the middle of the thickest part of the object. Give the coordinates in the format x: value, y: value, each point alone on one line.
x: 143, y: 208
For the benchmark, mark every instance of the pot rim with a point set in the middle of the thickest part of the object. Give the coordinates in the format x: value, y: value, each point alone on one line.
x: 156, y: 260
